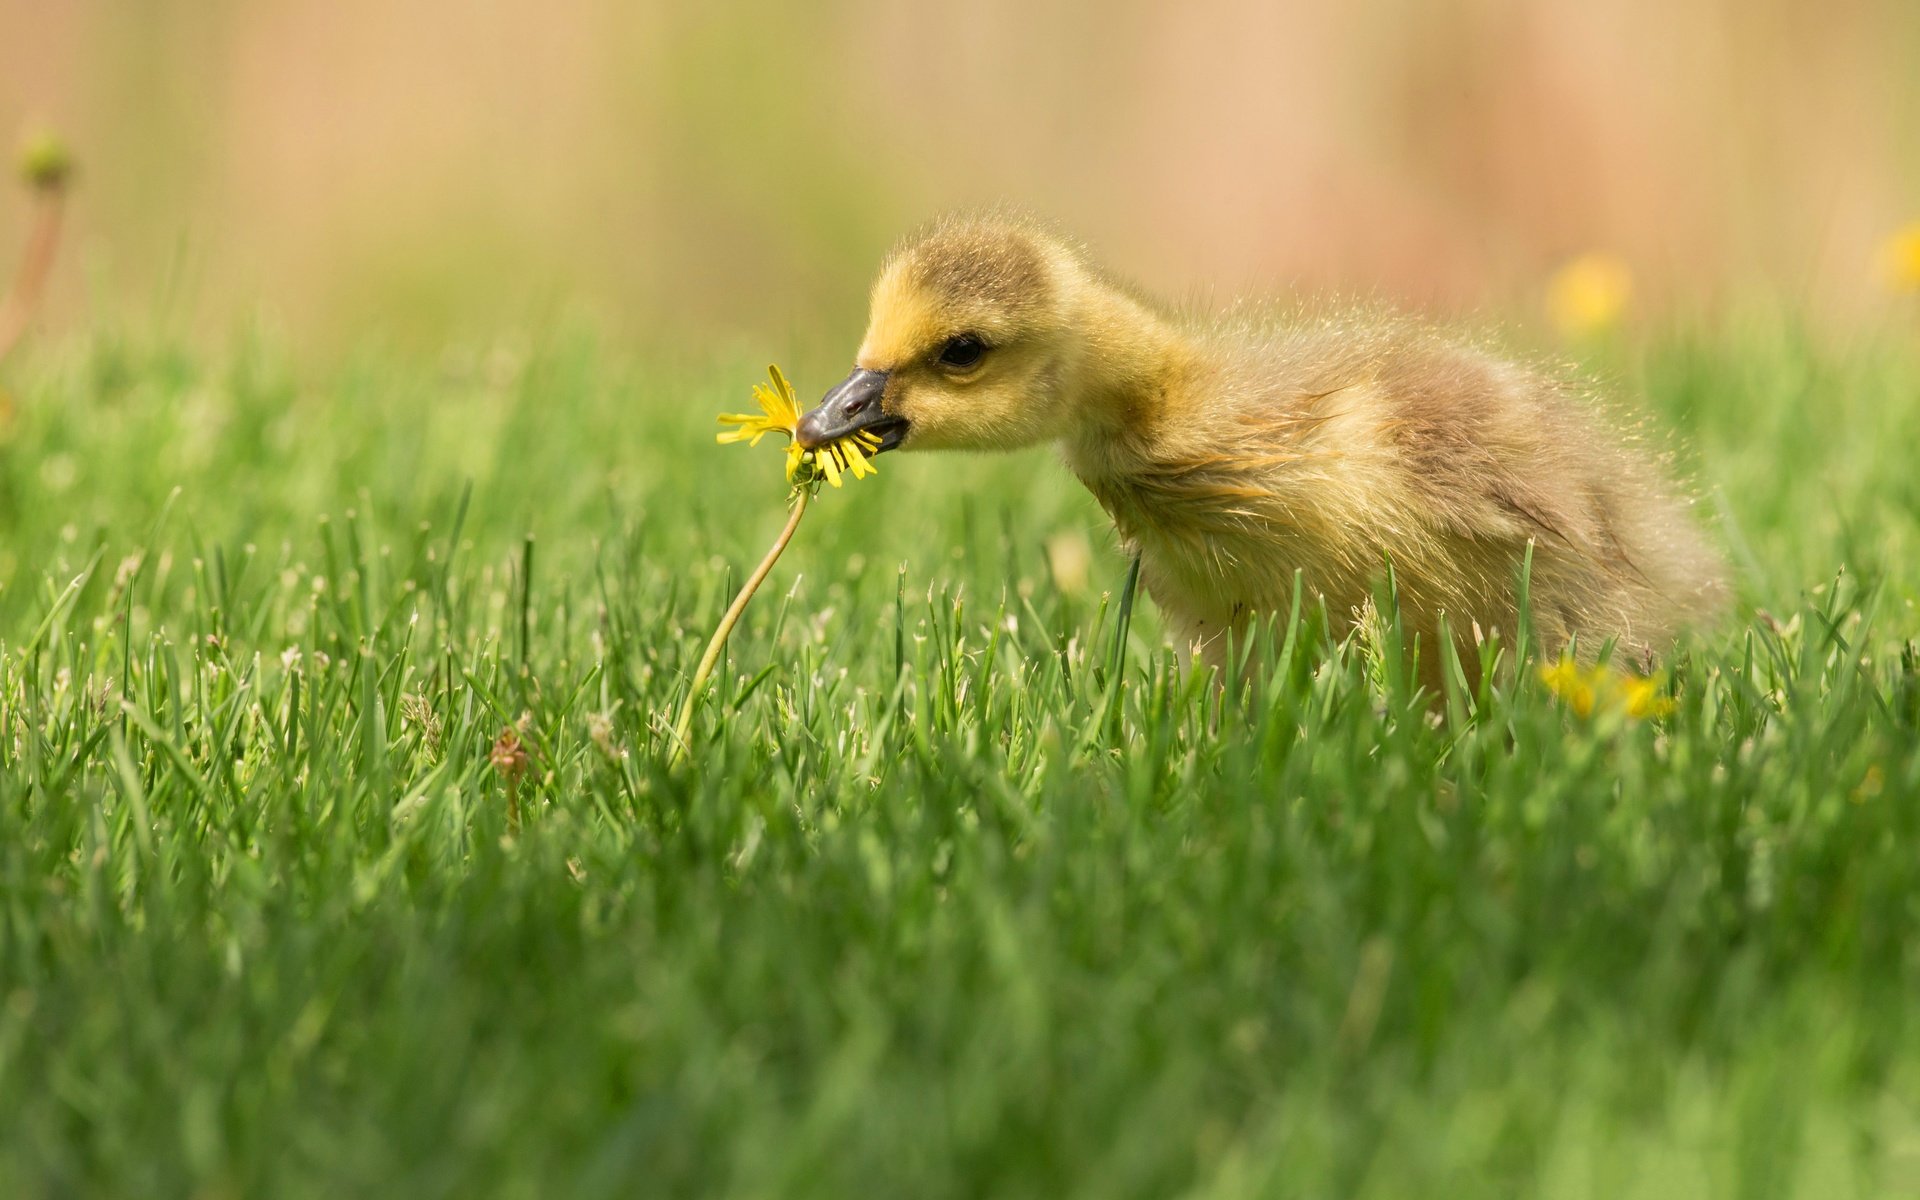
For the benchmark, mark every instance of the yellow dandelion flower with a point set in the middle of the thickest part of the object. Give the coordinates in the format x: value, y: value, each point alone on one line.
x: 780, y: 413
x: 1587, y: 690
x: 1589, y: 294
x: 1899, y: 259
x: 848, y: 456
x: 806, y: 469
x: 1642, y: 699
x: 828, y: 462
x: 1566, y: 680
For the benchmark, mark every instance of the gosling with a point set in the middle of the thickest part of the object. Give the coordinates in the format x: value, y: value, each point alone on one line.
x: 1234, y: 453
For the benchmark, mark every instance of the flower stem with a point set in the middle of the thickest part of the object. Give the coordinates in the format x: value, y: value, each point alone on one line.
x: 684, y: 727
x: 36, y: 265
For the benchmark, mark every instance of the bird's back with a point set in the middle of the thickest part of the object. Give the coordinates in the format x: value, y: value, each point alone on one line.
x: 1337, y: 447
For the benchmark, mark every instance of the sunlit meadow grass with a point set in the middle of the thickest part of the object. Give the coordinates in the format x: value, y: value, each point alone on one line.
x: 958, y: 894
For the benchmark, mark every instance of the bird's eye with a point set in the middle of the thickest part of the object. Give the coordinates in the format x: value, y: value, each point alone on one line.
x: 962, y: 352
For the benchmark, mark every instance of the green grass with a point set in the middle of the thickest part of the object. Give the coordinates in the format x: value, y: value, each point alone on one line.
x: 943, y: 910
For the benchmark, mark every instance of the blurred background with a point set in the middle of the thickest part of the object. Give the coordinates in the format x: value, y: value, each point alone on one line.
x: 437, y: 169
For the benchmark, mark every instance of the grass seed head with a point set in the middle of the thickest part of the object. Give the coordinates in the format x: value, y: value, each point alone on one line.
x: 45, y: 164
x: 509, y: 755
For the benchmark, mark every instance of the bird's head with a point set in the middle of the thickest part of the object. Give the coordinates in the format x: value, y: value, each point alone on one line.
x: 977, y: 338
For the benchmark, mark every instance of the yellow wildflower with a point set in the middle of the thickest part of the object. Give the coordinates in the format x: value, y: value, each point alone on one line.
x: 1566, y: 680
x: 806, y: 470
x: 780, y: 413
x: 1589, y: 294
x: 1642, y: 698
x: 1588, y: 689
x: 1900, y: 259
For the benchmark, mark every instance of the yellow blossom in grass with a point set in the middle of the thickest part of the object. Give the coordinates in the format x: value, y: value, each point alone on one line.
x: 1899, y: 259
x: 806, y: 470
x: 1587, y: 690
x: 1589, y: 294
x: 780, y: 413
x: 1566, y: 680
x: 1641, y: 697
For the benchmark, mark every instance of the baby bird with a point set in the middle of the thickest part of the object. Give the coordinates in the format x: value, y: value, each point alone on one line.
x: 1233, y: 452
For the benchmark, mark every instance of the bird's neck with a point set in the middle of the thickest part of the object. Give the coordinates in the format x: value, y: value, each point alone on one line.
x: 1123, y: 383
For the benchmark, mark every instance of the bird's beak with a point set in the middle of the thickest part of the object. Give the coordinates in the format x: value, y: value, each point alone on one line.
x: 852, y: 405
